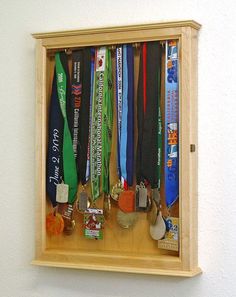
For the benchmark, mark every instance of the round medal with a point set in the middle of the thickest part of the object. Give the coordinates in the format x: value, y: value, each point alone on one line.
x: 126, y: 220
x: 54, y: 223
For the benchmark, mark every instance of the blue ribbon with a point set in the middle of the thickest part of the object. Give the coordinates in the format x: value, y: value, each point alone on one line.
x: 171, y: 124
x: 130, y: 121
x: 123, y: 141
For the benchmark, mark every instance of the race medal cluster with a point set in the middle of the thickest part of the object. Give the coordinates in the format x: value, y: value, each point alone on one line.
x: 96, y: 107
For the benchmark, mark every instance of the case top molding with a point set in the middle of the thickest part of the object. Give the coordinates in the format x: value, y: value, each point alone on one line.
x: 175, y: 24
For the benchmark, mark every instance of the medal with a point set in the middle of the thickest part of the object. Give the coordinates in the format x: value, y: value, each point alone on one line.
x: 66, y: 210
x: 69, y: 226
x: 126, y: 201
x: 116, y: 190
x: 93, y: 223
x: 142, y: 200
x: 62, y: 193
x: 126, y: 220
x: 54, y: 223
x: 82, y: 202
x: 152, y: 214
x: 170, y: 241
x: 157, y: 231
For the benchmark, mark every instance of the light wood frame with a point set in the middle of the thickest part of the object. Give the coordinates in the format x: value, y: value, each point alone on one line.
x: 187, y: 262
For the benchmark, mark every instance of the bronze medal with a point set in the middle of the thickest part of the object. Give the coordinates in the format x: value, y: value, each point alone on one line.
x: 67, y: 214
x: 54, y: 223
x: 126, y: 201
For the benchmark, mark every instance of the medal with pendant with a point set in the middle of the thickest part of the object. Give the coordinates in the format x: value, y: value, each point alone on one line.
x: 65, y: 209
x: 142, y: 200
x: 83, y: 201
x: 69, y: 162
x: 100, y: 144
x: 126, y: 215
x: 107, y: 128
x: 54, y: 172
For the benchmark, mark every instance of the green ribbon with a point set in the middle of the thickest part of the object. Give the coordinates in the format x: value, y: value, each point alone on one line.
x: 107, y: 121
x: 96, y: 124
x: 69, y: 165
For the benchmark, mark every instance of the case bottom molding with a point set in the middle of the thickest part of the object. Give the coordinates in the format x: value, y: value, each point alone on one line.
x: 160, y: 265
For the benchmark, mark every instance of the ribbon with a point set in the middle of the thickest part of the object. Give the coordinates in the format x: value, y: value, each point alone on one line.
x: 54, y: 173
x: 76, y: 94
x: 119, y: 101
x: 107, y: 120
x: 124, y: 122
x: 171, y: 167
x: 149, y: 116
x: 69, y: 165
x: 96, y: 124
x: 92, y: 53
x: 84, y: 116
x: 130, y: 116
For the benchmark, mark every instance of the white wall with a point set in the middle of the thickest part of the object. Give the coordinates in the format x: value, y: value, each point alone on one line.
x: 217, y: 141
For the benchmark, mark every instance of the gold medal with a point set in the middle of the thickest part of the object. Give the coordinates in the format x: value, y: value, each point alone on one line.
x: 54, y: 223
x: 116, y: 190
x: 126, y: 220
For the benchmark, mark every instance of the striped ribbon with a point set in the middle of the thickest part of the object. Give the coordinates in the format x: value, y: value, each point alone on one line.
x: 96, y: 123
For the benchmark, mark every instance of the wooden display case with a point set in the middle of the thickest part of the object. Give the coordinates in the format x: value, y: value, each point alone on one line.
x: 123, y: 250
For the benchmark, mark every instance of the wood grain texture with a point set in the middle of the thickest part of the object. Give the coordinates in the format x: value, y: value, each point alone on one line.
x: 130, y: 250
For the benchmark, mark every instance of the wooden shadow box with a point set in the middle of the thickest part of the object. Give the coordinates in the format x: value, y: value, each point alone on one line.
x: 121, y: 250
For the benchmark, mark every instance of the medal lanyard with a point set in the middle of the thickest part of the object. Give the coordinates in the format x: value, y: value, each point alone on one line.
x: 92, y: 53
x: 149, y: 116
x: 96, y: 124
x: 107, y: 120
x: 130, y: 120
x: 124, y: 122
x: 84, y: 116
x: 55, y: 142
x: 127, y: 118
x: 171, y: 123
x: 119, y: 101
x: 69, y: 165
